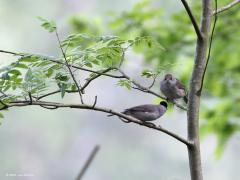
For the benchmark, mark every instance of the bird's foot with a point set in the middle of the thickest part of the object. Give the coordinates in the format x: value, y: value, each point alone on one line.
x: 125, y: 121
x: 149, y: 124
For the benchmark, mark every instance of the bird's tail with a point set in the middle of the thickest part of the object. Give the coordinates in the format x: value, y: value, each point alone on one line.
x: 185, y: 98
x: 109, y: 115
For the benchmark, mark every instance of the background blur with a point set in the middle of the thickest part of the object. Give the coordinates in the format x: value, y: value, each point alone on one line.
x: 55, y: 144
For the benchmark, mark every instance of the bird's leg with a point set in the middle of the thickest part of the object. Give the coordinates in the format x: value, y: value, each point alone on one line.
x: 123, y: 120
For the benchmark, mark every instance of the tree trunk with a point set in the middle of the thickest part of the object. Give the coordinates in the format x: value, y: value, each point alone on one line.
x: 195, y: 92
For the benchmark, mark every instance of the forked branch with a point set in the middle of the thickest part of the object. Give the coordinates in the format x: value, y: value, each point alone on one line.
x: 192, y: 18
x: 101, y: 109
x: 69, y: 68
x: 227, y: 7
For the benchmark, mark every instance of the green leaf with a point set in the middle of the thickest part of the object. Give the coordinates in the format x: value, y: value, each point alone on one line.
x: 28, y: 58
x: 23, y: 66
x: 88, y: 64
x: 73, y: 87
x: 50, y: 26
x: 15, y: 72
x: 61, y: 77
x: 63, y: 90
x: 125, y: 83
x: 147, y: 73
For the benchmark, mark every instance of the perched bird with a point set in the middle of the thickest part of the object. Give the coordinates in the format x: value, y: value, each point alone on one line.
x: 147, y: 112
x: 172, y: 88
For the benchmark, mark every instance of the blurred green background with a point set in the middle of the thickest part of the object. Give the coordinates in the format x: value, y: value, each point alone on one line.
x: 54, y: 144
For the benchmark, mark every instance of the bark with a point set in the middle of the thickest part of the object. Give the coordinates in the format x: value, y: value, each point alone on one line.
x: 195, y: 93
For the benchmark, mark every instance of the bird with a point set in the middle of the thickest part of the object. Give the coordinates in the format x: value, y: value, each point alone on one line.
x: 173, y: 89
x: 147, y: 112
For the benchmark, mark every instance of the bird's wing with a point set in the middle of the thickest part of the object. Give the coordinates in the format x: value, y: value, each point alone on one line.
x: 142, y: 108
x: 180, y: 85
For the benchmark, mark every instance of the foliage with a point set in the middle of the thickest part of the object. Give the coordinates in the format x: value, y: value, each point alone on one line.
x: 143, y: 28
x: 176, y: 34
x: 34, y: 75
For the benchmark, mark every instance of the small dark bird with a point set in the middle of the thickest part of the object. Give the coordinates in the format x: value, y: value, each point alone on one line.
x: 173, y: 89
x: 147, y: 112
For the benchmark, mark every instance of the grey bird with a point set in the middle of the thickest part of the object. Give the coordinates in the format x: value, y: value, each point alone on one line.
x: 147, y: 112
x: 173, y: 89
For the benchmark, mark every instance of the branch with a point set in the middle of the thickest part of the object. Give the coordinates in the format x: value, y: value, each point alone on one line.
x: 153, y: 82
x: 138, y: 86
x: 209, y: 49
x: 69, y: 68
x: 100, y: 109
x: 194, y: 97
x: 227, y: 7
x: 88, y: 81
x: 5, y: 106
x: 81, y: 89
x: 88, y: 162
x: 87, y: 70
x: 192, y: 18
x: 57, y: 61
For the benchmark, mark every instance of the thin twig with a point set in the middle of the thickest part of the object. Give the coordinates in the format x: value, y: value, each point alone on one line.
x: 95, y: 102
x: 138, y: 86
x: 227, y: 7
x: 123, y: 54
x: 87, y: 70
x: 88, y: 162
x: 57, y: 61
x: 101, y: 109
x: 30, y: 97
x: 89, y: 80
x: 48, y: 94
x: 9, y: 52
x: 209, y: 49
x: 69, y: 68
x: 192, y: 18
x: 153, y: 82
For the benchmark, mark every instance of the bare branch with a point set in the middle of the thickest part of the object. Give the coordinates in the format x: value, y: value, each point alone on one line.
x: 194, y: 97
x: 153, y: 82
x: 88, y: 81
x: 123, y: 54
x: 95, y: 102
x: 88, y: 162
x: 227, y: 7
x: 192, y: 18
x: 69, y: 68
x: 49, y: 94
x: 209, y: 49
x: 101, y: 109
x: 30, y: 97
x: 9, y: 52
